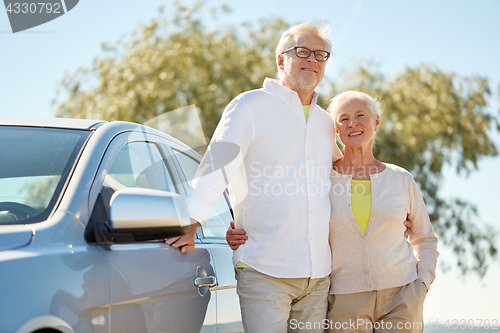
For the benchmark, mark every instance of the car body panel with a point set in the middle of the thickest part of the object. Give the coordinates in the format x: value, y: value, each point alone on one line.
x: 34, y: 289
x: 51, y: 277
x: 227, y: 302
x: 15, y: 236
x: 228, y: 306
x: 153, y: 287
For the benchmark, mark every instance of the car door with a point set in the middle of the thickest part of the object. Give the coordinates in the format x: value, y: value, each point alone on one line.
x: 212, y: 237
x: 152, y: 284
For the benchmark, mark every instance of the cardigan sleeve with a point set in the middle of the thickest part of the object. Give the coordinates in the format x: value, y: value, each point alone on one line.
x: 422, y: 238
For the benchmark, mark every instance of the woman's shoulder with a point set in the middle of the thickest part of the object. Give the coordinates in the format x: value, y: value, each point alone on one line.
x: 396, y: 170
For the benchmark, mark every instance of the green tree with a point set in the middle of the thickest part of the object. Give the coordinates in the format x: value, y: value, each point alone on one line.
x: 431, y: 119
x: 170, y: 63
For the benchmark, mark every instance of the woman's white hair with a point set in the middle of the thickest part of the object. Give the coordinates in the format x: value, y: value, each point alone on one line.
x: 302, y: 29
x: 346, y: 96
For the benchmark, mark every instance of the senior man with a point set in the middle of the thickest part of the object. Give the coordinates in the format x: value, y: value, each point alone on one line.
x: 279, y: 187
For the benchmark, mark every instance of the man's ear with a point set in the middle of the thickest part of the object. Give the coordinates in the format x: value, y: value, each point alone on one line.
x: 377, y: 122
x: 280, y: 61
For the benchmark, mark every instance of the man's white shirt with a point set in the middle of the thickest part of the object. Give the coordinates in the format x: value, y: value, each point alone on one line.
x: 278, y: 167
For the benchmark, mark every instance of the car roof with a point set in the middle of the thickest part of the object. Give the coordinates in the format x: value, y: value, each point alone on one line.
x: 69, y: 123
x: 87, y: 124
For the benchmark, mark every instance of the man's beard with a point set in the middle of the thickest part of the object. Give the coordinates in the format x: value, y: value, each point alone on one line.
x: 306, y: 83
x: 303, y: 82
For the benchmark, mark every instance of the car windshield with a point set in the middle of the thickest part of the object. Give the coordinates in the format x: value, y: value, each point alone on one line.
x: 35, y: 164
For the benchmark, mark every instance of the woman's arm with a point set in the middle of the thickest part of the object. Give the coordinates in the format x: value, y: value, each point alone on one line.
x: 422, y: 237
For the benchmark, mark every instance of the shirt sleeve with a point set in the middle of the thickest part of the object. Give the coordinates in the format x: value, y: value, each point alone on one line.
x: 224, y: 156
x: 423, y: 239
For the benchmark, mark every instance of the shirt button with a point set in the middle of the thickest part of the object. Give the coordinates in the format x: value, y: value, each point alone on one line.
x: 310, y: 238
x: 308, y: 158
x: 311, y: 210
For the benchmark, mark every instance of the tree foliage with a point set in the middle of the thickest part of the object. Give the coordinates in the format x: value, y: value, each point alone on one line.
x: 431, y: 118
x: 170, y: 63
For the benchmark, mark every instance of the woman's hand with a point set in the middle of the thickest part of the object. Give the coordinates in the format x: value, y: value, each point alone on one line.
x: 235, y: 237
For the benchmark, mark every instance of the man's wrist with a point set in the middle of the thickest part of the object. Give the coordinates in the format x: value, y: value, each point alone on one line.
x: 194, y: 226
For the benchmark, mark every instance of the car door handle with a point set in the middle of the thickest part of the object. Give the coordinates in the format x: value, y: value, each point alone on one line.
x: 205, y: 281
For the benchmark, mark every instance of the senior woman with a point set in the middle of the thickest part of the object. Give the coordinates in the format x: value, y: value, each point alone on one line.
x: 379, y: 277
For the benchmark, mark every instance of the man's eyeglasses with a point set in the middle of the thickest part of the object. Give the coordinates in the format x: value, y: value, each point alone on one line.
x: 304, y: 53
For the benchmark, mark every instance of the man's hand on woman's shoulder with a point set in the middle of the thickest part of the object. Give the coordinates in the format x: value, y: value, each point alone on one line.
x: 408, y: 231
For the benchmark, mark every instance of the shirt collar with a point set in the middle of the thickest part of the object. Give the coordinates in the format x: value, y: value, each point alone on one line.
x: 284, y: 93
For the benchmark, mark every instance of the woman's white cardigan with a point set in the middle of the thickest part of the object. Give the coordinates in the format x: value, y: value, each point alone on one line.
x: 382, y: 258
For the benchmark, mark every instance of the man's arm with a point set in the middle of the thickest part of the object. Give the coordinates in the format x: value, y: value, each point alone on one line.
x: 185, y: 242
x: 217, y: 168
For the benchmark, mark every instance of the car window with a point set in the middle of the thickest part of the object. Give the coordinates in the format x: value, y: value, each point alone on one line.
x: 221, y: 213
x: 137, y: 164
x: 35, y: 164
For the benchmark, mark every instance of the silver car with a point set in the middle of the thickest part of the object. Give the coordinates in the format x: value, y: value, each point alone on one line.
x: 84, y: 207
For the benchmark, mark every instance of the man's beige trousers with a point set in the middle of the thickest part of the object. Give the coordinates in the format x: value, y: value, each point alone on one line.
x: 278, y: 305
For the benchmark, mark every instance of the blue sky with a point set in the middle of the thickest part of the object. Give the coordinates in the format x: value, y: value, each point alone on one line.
x: 454, y: 35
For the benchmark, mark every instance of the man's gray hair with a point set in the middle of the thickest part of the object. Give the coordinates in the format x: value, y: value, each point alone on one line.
x: 302, y: 29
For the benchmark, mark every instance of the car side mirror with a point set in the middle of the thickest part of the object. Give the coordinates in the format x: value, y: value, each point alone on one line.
x: 138, y: 215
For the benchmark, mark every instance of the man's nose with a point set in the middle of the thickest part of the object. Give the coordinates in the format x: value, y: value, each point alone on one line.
x: 311, y: 57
